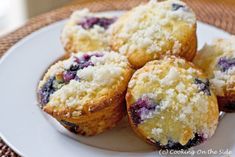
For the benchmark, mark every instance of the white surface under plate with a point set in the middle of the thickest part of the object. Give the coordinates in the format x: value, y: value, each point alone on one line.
x: 29, y: 133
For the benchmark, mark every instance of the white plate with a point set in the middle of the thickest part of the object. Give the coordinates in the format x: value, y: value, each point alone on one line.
x: 28, y: 132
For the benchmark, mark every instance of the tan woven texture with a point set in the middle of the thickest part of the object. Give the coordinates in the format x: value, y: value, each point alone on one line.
x: 220, y: 13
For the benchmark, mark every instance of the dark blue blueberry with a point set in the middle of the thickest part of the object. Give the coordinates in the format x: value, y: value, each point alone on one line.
x: 224, y: 64
x: 46, y: 90
x: 84, y: 61
x: 176, y: 6
x: 74, y: 67
x: 143, y: 105
x: 69, y: 75
x: 91, y: 21
x: 86, y: 57
x: 71, y: 126
x: 106, y: 22
x: 203, y: 86
x: 86, y: 64
x: 177, y: 146
x: 79, y: 63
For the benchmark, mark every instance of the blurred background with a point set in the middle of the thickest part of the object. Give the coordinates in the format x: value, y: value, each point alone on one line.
x: 14, y: 13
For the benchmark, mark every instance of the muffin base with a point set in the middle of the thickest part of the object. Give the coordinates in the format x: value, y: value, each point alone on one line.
x: 177, y: 146
x: 72, y: 46
x: 97, y: 121
x: 189, y: 49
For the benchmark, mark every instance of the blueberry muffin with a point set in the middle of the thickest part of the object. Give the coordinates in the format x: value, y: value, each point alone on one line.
x: 170, y: 104
x: 86, y: 93
x: 218, y: 62
x: 86, y: 31
x: 155, y: 29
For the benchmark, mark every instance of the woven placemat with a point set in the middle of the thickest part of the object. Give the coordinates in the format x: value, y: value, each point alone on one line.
x: 214, y: 12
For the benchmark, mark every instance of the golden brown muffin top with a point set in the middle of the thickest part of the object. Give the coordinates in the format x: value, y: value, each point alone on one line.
x: 84, y: 80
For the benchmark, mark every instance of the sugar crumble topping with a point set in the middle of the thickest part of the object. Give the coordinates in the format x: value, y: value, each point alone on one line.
x: 172, y: 89
x: 156, y: 131
x: 171, y: 76
x: 145, y: 30
x: 107, y: 70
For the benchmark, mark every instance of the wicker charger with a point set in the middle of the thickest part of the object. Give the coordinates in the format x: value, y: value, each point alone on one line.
x: 214, y: 12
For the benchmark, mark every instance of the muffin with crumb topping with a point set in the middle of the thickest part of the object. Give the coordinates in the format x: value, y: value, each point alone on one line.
x: 218, y: 62
x: 86, y: 92
x: 155, y: 29
x: 177, y: 110
x: 86, y: 31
